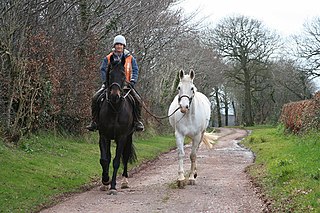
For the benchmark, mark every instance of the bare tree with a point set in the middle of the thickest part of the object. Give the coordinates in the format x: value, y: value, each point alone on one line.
x: 308, y: 47
x: 21, y: 72
x: 283, y: 82
x: 33, y: 70
x: 245, y: 42
x: 288, y: 76
x: 51, y: 52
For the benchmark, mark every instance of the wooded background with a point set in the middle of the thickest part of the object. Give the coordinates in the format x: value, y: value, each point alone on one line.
x: 51, y: 51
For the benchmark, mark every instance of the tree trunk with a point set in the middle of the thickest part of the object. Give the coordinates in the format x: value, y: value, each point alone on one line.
x: 247, y: 120
x: 216, y: 96
x: 226, y: 110
x: 235, y: 113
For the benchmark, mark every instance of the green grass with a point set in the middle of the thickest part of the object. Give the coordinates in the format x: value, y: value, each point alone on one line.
x: 45, y: 167
x: 287, y: 168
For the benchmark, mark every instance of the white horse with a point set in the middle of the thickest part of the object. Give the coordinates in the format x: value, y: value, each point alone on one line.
x: 192, y: 121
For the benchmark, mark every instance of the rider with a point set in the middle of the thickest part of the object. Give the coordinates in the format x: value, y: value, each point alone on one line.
x: 119, y: 44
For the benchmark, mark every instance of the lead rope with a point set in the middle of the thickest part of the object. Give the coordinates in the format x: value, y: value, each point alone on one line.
x: 147, y: 110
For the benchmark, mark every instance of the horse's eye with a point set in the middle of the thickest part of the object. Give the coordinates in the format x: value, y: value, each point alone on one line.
x: 178, y: 88
x: 192, y: 88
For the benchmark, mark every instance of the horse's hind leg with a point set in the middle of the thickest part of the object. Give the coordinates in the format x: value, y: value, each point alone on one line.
x: 125, y: 158
x: 125, y: 183
x: 105, y: 158
x: 193, y: 157
x: 193, y: 171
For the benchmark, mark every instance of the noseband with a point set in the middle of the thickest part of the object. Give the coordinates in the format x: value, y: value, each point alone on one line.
x: 118, y: 85
x: 185, y: 96
x: 122, y: 97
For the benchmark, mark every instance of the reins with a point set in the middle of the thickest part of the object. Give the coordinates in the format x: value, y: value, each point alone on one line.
x: 127, y: 93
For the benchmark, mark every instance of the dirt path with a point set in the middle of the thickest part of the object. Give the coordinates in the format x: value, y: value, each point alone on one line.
x: 221, y: 185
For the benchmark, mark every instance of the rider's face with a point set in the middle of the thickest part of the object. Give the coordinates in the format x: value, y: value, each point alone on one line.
x: 119, y: 47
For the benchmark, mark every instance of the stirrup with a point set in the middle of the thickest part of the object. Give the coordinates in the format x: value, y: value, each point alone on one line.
x: 92, y: 126
x: 139, y: 126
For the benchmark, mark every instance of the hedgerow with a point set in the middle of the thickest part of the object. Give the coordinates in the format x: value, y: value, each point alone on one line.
x: 302, y: 116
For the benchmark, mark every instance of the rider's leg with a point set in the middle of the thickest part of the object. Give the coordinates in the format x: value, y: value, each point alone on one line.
x: 95, y: 108
x: 137, y: 112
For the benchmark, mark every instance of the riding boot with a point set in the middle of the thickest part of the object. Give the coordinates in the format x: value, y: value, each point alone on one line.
x: 95, y: 108
x: 93, y: 124
x: 137, y: 116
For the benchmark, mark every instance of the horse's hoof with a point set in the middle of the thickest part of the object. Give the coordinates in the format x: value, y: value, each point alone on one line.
x: 181, y: 184
x: 124, y: 185
x: 192, y: 182
x: 104, y: 188
x: 112, y: 192
x: 106, y: 183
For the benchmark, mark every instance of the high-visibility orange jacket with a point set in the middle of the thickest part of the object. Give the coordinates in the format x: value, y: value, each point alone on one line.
x: 131, y: 67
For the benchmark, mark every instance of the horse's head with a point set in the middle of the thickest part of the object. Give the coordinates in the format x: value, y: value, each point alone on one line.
x: 186, y: 90
x: 117, y: 78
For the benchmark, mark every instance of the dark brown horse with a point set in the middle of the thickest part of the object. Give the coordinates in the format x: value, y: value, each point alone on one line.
x: 116, y: 123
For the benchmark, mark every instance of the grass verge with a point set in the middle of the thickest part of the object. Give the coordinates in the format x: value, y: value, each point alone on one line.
x: 45, y: 166
x: 287, y: 168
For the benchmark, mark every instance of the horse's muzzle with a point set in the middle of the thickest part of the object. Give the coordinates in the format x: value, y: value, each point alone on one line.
x: 184, y: 109
x: 115, y: 98
x: 115, y: 92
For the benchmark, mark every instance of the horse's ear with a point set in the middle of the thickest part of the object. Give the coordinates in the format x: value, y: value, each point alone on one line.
x: 192, y: 74
x: 181, y: 74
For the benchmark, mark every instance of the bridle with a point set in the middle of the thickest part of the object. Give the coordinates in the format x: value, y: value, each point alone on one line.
x: 122, y: 97
x: 185, y: 96
x: 190, y: 100
x: 117, y: 84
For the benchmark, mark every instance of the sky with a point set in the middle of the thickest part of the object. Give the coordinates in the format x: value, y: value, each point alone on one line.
x: 284, y: 16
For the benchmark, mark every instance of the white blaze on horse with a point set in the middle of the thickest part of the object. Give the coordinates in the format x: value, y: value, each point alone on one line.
x: 192, y: 121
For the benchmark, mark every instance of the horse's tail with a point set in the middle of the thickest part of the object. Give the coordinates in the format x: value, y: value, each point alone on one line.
x: 129, y: 152
x: 209, y: 139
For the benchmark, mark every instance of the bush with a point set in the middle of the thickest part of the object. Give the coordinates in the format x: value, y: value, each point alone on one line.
x: 303, y: 115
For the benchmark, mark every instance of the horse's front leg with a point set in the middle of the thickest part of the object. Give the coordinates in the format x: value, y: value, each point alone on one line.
x: 181, y: 154
x: 116, y: 165
x: 105, y: 158
x: 193, y: 158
